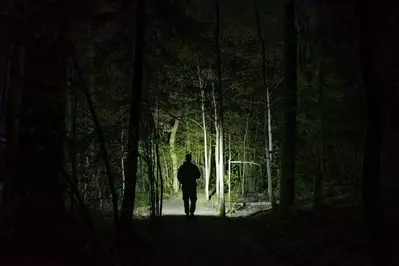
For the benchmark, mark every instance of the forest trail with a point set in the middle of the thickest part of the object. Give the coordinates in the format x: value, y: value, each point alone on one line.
x: 205, y: 241
x: 175, y: 207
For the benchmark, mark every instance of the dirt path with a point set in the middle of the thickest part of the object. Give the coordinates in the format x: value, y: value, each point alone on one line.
x: 206, y: 240
x: 332, y: 237
x: 175, y: 207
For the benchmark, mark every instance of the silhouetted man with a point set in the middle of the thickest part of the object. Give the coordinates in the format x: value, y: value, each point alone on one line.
x: 188, y: 175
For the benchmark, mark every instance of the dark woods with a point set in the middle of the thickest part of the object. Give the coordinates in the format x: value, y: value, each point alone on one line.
x: 295, y: 101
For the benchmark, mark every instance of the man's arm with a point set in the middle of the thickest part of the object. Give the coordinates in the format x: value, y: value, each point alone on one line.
x: 198, y: 174
x: 179, y: 175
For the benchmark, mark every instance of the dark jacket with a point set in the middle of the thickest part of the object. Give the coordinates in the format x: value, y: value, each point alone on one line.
x: 188, y: 174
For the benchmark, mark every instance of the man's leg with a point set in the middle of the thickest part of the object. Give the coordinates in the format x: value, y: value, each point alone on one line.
x: 186, y: 198
x: 193, y: 199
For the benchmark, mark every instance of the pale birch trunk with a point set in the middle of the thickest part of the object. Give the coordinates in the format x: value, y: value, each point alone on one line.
x: 268, y: 165
x: 216, y: 140
x: 205, y: 133
x: 222, y: 211
x: 173, y: 156
x: 221, y: 171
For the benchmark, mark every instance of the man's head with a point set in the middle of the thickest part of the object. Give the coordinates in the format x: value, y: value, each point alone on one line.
x: 188, y: 157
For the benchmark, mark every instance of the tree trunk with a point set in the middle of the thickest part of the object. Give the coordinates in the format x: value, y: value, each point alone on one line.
x: 41, y: 213
x: 216, y: 139
x: 123, y: 161
x: 268, y: 167
x: 288, y: 145
x: 217, y: 173
x: 173, y: 156
x: 134, y: 123
x: 210, y: 157
x: 166, y: 167
x: 206, y: 171
x: 371, y: 181
x: 318, y: 181
x: 229, y: 175
x: 222, y: 211
x: 319, y: 84
x: 243, y: 183
x: 74, y: 106
x: 101, y: 139
x: 160, y: 177
x: 267, y: 124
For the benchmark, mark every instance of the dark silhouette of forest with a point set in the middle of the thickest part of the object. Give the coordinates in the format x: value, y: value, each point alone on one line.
x: 287, y: 107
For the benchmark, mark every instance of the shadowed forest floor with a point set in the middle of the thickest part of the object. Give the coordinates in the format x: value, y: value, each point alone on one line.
x: 336, y: 236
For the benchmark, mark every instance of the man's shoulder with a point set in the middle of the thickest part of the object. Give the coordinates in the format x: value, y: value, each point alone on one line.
x: 193, y: 165
x: 184, y: 165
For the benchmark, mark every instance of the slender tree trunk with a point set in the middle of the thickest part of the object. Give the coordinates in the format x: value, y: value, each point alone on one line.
x: 318, y: 181
x: 150, y: 165
x: 73, y: 142
x: 166, y: 167
x: 134, y: 123
x: 160, y: 177
x: 319, y: 84
x: 244, y: 168
x: 243, y: 181
x: 205, y: 134
x: 371, y: 181
x: 173, y: 156
x: 101, y: 138
x: 217, y: 163
x: 268, y: 167
x: 210, y: 157
x: 216, y: 139
x: 229, y: 175
x: 267, y: 124
x: 5, y: 91
x: 222, y: 211
x: 288, y: 146
x: 123, y: 161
